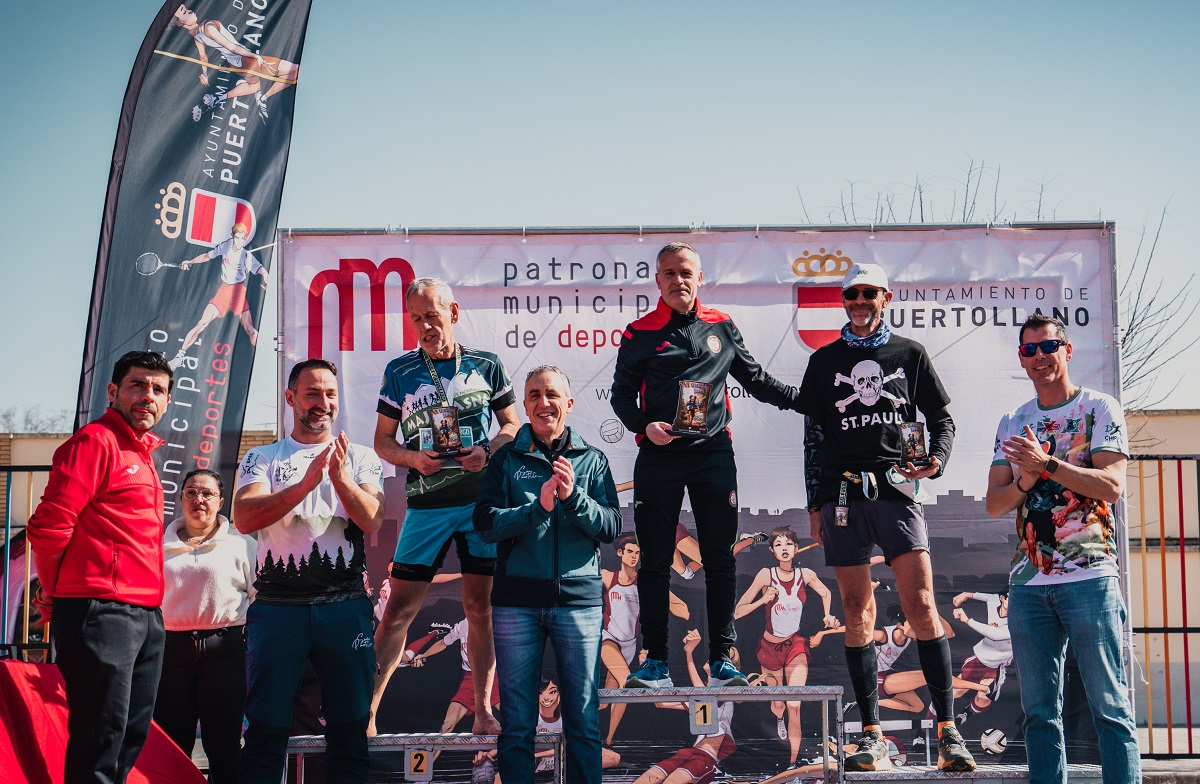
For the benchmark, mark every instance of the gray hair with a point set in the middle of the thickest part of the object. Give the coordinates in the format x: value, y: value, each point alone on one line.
x: 675, y: 247
x: 441, y: 290
x: 537, y: 371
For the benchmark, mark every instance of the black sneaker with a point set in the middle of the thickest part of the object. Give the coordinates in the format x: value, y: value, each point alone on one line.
x: 952, y: 752
x: 871, y: 754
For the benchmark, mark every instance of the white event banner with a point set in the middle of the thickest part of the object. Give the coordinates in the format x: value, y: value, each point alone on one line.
x: 564, y: 298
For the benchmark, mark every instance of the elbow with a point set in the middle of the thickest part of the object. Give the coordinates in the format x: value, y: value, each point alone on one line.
x: 994, y: 509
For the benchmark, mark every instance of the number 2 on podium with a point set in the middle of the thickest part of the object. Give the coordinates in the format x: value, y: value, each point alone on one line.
x: 418, y: 764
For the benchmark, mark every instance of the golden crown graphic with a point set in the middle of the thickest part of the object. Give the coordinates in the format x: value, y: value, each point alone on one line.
x: 170, y: 209
x: 821, y: 264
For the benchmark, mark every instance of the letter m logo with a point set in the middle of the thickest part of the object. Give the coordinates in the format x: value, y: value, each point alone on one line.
x: 342, y: 279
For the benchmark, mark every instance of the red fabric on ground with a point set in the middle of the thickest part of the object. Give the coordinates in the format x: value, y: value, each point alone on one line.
x: 33, y: 733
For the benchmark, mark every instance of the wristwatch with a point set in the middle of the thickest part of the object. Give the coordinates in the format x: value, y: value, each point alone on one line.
x: 1051, y: 467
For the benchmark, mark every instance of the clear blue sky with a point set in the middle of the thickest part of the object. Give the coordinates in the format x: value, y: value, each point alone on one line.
x: 619, y: 113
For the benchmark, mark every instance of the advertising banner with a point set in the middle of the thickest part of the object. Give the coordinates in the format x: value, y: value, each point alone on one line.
x: 564, y: 298
x: 189, y: 220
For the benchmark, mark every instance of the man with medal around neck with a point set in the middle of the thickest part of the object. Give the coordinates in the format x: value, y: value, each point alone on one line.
x: 859, y: 390
x: 441, y: 492
x: 681, y: 340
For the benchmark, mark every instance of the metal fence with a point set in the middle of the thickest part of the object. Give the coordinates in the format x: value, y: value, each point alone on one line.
x: 16, y: 641
x: 1164, y: 561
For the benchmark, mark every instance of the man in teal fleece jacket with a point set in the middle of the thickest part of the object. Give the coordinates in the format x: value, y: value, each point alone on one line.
x: 548, y: 501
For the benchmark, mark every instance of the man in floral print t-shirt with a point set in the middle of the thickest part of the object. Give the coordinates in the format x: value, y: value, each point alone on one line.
x: 1060, y: 465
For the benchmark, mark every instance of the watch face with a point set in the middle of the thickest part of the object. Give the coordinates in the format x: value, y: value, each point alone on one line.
x: 1051, y: 466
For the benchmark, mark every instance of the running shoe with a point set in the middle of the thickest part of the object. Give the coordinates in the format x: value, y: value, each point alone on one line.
x: 653, y: 674
x: 952, y: 752
x: 781, y: 728
x: 723, y: 673
x: 871, y: 754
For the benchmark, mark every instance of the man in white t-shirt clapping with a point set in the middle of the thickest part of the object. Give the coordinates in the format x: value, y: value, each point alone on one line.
x: 310, y: 498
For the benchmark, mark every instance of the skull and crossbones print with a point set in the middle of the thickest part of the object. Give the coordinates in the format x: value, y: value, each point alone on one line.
x: 867, y: 379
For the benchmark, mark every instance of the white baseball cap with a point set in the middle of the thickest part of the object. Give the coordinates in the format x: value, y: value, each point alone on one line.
x: 865, y: 275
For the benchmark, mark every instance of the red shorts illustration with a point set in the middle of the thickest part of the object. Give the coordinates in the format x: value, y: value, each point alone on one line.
x: 700, y: 764
x: 465, y: 696
x: 230, y: 298
x: 777, y: 655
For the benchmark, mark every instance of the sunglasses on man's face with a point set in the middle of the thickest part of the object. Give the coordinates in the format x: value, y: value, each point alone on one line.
x: 868, y: 294
x: 1047, y: 347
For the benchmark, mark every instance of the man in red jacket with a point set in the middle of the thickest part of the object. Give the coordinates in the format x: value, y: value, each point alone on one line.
x: 97, y: 542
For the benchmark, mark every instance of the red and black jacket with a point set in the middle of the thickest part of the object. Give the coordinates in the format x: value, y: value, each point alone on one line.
x: 665, y: 347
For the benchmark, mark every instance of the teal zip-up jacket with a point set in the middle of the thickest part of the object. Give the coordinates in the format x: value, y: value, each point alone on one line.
x: 547, y: 559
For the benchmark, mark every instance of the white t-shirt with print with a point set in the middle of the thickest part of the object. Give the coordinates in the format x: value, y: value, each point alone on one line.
x: 315, y: 553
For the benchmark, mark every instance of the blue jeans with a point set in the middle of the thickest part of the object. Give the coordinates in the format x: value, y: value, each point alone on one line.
x: 1090, y: 614
x: 520, y: 634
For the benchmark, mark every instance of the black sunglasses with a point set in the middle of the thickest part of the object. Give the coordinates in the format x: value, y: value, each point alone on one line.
x: 868, y: 294
x: 1047, y: 347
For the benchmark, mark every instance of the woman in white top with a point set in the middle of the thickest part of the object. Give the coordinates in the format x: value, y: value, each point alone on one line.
x: 210, y: 570
x: 249, y: 67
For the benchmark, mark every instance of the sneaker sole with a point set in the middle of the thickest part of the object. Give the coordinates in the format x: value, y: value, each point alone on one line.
x: 957, y: 765
x: 638, y: 683
x: 718, y: 683
x: 866, y: 763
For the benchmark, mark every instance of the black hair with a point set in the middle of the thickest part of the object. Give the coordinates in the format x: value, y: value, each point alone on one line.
x: 146, y: 360
x: 209, y: 473
x: 309, y: 364
x: 1037, y: 321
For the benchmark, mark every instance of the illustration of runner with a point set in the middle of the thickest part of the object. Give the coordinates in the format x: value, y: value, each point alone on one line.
x: 236, y: 265
x: 697, y: 764
x: 462, y: 704
x: 783, y: 651
x: 622, y: 613
x: 992, y: 654
x: 251, y: 67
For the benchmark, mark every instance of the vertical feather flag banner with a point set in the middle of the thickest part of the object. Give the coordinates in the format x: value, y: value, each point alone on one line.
x: 187, y: 237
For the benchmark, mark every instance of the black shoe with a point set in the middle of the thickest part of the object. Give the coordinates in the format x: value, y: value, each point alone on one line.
x: 871, y: 754
x: 952, y: 752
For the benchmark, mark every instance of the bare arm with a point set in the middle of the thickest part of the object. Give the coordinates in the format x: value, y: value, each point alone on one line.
x: 678, y: 607
x: 747, y: 603
x: 1003, y: 493
x: 509, y: 425
x: 203, y: 62
x: 814, y: 582
x: 255, y: 507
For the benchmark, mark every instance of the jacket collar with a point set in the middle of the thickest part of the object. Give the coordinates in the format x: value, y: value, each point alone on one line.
x: 147, y: 442
x: 666, y: 312
x: 524, y: 441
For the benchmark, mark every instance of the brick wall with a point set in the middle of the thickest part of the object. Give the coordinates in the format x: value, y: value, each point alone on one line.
x: 253, y: 438
x: 6, y: 440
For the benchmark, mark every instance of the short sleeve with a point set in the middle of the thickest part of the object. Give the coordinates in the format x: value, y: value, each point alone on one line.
x: 998, y: 457
x: 368, y: 468
x: 503, y: 394
x: 254, y: 470
x: 219, y: 250
x: 1109, y: 433
x: 389, y: 396
x: 455, y: 634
